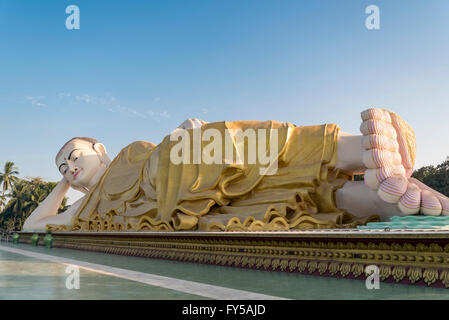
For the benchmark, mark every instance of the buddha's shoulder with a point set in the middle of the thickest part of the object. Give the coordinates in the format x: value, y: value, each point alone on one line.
x: 137, y: 147
x: 144, y: 145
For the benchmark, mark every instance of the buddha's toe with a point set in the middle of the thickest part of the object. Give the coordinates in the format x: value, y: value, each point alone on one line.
x: 444, y: 206
x: 377, y: 114
x: 374, y: 177
x: 432, y: 202
x: 392, y: 189
x: 410, y: 202
x: 430, y: 205
x: 376, y: 158
x: 377, y: 141
x: 378, y: 127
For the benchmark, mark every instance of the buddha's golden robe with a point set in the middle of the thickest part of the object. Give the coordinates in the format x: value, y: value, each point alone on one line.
x: 227, y: 196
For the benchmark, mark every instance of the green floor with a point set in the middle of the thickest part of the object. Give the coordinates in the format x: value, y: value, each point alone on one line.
x: 23, y: 277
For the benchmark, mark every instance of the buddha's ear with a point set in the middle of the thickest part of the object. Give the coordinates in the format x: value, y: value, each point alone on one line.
x: 100, y: 149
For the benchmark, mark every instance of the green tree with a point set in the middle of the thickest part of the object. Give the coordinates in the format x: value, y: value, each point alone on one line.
x: 2, y: 202
x: 436, y: 177
x: 24, y: 197
x: 19, y: 199
x: 8, y: 176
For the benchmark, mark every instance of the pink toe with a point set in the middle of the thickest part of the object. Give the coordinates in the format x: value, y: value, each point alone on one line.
x: 412, y: 197
x: 374, y: 113
x: 395, y: 186
x: 430, y: 203
x: 444, y: 205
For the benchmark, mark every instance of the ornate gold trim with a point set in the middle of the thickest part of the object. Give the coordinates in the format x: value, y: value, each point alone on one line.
x: 411, y: 262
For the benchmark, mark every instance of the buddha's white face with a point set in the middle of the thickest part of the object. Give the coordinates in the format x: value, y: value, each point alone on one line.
x: 79, y: 163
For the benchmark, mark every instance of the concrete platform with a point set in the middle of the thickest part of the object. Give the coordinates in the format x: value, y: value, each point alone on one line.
x: 25, y: 276
x: 416, y: 257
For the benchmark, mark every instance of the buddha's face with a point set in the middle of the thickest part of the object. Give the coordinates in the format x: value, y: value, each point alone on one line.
x: 79, y: 162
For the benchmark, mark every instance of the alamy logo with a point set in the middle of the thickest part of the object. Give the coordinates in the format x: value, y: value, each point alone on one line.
x: 372, y: 281
x: 229, y: 149
x: 73, y: 20
x: 73, y: 279
x: 372, y: 22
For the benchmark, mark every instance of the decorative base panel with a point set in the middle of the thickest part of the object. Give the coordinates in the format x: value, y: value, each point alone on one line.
x: 419, y: 257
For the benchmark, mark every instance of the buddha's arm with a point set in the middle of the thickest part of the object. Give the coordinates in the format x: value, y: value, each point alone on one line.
x: 64, y: 218
x: 48, y: 207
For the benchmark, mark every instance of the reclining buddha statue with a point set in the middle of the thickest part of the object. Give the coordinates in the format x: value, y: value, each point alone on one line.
x: 307, y: 182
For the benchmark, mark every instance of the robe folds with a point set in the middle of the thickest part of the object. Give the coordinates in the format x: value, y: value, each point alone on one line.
x: 144, y: 190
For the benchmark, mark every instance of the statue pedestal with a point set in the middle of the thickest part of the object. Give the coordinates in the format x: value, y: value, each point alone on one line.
x: 419, y: 257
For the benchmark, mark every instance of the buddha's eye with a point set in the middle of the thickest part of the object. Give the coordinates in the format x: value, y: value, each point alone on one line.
x: 63, y: 169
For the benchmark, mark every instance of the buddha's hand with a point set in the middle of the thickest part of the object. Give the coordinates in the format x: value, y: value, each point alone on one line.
x: 73, y: 186
x: 64, y: 182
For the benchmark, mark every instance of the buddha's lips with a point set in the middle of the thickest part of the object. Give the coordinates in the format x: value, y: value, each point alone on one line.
x: 77, y: 173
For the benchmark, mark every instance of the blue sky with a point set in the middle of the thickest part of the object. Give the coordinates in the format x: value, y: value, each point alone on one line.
x: 136, y: 69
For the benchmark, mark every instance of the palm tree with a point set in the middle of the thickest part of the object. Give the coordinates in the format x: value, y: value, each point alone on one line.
x: 23, y: 198
x: 20, y: 195
x: 9, y: 176
x: 37, y: 192
x: 2, y: 202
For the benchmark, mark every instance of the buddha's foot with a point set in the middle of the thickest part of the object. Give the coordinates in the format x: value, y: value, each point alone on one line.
x: 389, y: 144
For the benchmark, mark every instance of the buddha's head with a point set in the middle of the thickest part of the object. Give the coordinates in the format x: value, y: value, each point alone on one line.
x: 81, y: 161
